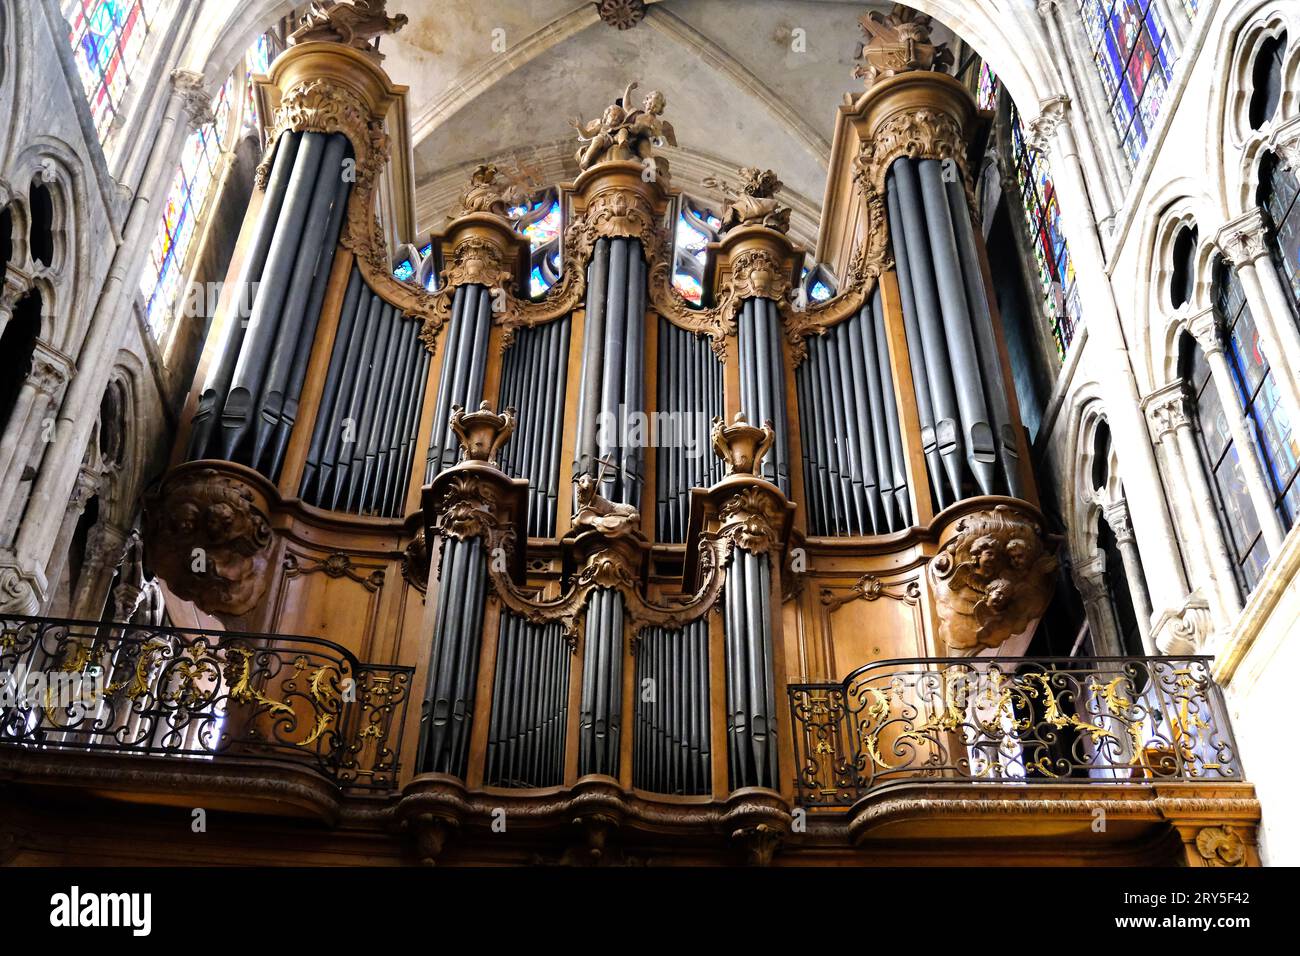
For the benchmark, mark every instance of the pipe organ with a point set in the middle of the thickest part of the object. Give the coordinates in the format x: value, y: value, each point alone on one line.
x: 607, y: 528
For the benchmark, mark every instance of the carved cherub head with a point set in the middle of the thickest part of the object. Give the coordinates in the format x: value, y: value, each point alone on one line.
x: 654, y: 102
x: 1018, y: 552
x: 985, y: 553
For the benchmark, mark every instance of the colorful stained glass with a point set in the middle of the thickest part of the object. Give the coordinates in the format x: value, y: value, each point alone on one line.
x: 1258, y: 394
x: 820, y: 291
x: 541, y: 222
x: 256, y: 61
x: 426, y: 250
x: 546, y: 229
x: 107, y: 37
x: 404, y: 271
x: 987, y: 95
x: 696, y: 228
x: 1135, y: 60
x: 1043, y: 215
x: 186, y: 203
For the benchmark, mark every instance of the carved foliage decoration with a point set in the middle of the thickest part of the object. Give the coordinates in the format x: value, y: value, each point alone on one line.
x: 209, y: 541
x: 992, y: 580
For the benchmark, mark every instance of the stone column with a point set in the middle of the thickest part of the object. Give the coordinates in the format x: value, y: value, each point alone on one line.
x: 187, y: 107
x: 51, y: 370
x: 1167, y: 409
x: 1205, y: 328
x: 1108, y: 359
x: 88, y: 484
x: 1102, y: 159
x: 1090, y: 581
x: 1116, y: 516
x: 105, y: 548
x: 1244, y: 242
x: 1177, y: 26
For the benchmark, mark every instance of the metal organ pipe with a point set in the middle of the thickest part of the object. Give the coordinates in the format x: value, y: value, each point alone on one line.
x: 359, y: 457
x: 950, y: 335
x: 534, y: 373
x: 854, y: 485
x: 762, y: 381
x: 670, y: 751
x: 464, y: 367
x: 600, y: 717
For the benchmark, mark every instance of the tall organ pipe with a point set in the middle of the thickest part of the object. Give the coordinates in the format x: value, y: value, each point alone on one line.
x: 453, y: 672
x: 670, y: 752
x: 530, y: 698
x: 751, y: 692
x: 762, y: 382
x: 463, y: 369
x: 600, y: 715
x: 948, y: 324
x: 217, y: 384
x: 690, y: 396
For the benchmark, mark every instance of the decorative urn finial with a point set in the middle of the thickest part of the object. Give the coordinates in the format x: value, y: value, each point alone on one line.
x: 899, y: 42
x: 481, y: 433
x: 742, y: 445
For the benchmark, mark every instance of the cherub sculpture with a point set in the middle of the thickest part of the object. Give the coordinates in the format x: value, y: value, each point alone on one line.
x: 755, y: 203
x: 601, y: 514
x: 626, y: 134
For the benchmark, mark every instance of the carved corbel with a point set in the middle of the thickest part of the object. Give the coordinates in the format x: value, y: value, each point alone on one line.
x: 1166, y: 410
x: 1186, y: 629
x: 993, y: 578
x: 208, y: 536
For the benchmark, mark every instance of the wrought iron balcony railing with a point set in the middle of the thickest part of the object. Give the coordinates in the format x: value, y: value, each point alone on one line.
x: 1009, y: 721
x: 177, y: 692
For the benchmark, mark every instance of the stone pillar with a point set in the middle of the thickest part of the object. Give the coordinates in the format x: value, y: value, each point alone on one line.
x: 105, y: 549
x: 1177, y: 26
x: 1090, y: 581
x: 1244, y: 242
x: 51, y: 370
x: 1204, y: 327
x: 1102, y: 157
x: 187, y: 107
x: 1116, y: 516
x: 1167, y: 409
x: 1108, y: 359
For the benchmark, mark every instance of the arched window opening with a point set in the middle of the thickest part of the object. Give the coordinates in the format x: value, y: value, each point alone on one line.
x: 1277, y: 197
x: 16, y: 347
x: 190, y: 199
x: 1238, y: 522
x: 77, y: 549
x: 112, y: 425
x: 6, y: 238
x: 1135, y: 59
x: 1100, y: 472
x: 1182, y: 280
x: 1266, y: 80
x: 817, y: 283
x: 107, y: 38
x: 540, y: 221
x: 697, y: 226
x: 1257, y: 391
x: 40, y: 235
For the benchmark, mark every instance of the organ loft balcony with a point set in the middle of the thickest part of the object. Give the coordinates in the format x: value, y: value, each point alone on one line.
x: 453, y: 572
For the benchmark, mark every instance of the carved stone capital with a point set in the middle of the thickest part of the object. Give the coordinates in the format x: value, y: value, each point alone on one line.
x: 1116, y: 515
x: 1244, y: 239
x: 1046, y: 7
x: 1186, y: 629
x: 1285, y: 143
x: 993, y: 578
x: 1166, y: 410
x: 1052, y: 112
x: 196, y: 100
x: 1206, y: 328
x: 208, y: 536
x: 22, y: 590
x: 51, y: 370
x: 105, y: 546
x: 1090, y: 579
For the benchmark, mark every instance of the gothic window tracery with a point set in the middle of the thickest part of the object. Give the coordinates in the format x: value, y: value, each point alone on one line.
x: 540, y: 221
x: 696, y: 227
x: 1279, y: 198
x: 1266, y: 80
x: 1238, y: 523
x: 1258, y: 394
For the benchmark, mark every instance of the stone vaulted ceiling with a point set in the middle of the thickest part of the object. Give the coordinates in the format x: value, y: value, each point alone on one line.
x: 500, y: 79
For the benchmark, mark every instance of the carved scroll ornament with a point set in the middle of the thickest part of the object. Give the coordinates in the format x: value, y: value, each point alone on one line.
x: 992, y: 580
x: 209, y: 541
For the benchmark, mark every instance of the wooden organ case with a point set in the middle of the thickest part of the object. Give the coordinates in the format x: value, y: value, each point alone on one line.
x: 608, y: 529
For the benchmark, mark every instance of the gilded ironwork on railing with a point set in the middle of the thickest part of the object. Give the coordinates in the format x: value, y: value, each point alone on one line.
x: 179, y: 692
x: 1009, y: 721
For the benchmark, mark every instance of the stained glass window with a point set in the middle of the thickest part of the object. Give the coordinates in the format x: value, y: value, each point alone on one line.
x: 1043, y: 214
x: 1258, y: 393
x: 540, y: 220
x: 1135, y: 59
x: 1279, y: 197
x: 696, y: 228
x: 1220, y: 457
x: 107, y: 38
x: 987, y: 95
x: 404, y: 271
x: 816, y: 283
x: 257, y: 60
x: 187, y: 201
